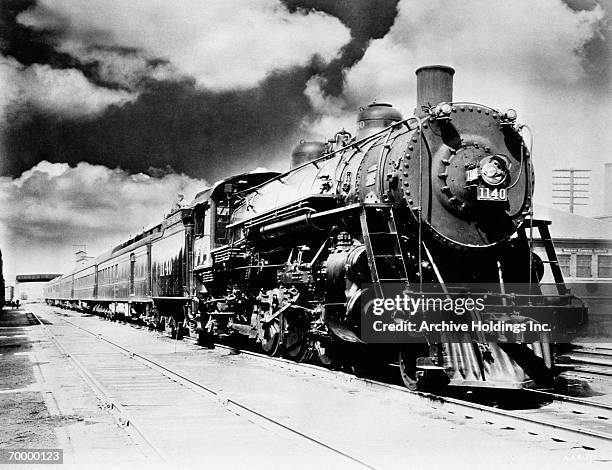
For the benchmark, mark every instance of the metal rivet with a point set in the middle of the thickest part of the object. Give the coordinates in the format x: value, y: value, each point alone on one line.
x: 410, y: 147
x: 414, y: 139
x: 446, y: 162
x: 470, y: 109
x: 487, y: 112
x: 454, y: 109
x: 410, y: 201
x: 425, y: 126
x: 406, y: 183
x: 494, y: 116
x: 462, y: 108
x: 406, y: 164
x: 406, y: 174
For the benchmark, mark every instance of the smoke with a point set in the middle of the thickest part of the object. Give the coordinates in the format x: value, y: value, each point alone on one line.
x: 543, y: 59
x: 54, y: 205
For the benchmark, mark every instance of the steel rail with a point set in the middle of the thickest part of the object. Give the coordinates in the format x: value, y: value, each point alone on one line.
x: 450, y: 400
x: 122, y: 416
x: 191, y: 383
x: 438, y: 399
x: 569, y: 399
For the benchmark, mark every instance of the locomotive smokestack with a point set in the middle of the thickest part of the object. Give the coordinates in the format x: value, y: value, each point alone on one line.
x: 434, y: 85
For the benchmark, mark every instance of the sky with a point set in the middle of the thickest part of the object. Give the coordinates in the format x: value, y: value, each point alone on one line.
x: 110, y: 109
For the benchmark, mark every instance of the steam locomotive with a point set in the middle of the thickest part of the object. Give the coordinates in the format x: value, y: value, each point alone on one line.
x: 437, y: 204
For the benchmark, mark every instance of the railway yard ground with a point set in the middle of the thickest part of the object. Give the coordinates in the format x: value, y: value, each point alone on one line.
x: 113, y: 395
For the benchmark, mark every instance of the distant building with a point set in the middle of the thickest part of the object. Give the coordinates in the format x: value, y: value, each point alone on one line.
x: 9, y: 293
x: 584, y: 251
x: 29, y: 287
x: 583, y: 245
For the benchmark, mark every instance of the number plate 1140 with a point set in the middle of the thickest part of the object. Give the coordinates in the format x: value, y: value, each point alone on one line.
x: 489, y: 194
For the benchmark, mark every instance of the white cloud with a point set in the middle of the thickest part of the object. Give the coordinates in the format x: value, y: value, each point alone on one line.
x: 65, y: 92
x: 52, y: 206
x: 223, y: 44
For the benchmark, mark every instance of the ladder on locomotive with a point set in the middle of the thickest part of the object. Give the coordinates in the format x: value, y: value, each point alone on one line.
x: 549, y: 248
x: 383, y: 247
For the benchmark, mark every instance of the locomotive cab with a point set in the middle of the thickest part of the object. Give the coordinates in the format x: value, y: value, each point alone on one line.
x: 211, y: 211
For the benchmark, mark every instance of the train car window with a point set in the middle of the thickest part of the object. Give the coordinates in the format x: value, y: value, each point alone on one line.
x: 199, y: 221
x: 564, y: 264
x: 583, y: 266
x: 221, y: 224
x: 604, y: 266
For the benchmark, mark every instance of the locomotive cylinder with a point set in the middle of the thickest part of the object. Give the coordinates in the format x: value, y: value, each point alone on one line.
x: 434, y: 85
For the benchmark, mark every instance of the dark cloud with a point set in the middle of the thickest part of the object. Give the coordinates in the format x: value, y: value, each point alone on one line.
x: 173, y: 122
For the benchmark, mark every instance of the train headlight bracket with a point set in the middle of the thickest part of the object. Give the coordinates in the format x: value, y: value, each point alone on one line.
x: 508, y: 117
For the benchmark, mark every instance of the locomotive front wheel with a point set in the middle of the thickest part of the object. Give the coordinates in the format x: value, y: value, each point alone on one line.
x: 408, y: 367
x: 270, y: 340
x: 296, y: 345
x: 328, y: 353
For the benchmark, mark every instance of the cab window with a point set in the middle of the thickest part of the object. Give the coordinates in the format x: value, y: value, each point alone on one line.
x: 221, y: 224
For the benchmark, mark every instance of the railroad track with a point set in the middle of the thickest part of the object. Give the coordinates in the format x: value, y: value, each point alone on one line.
x: 591, y: 359
x: 161, y: 380
x: 595, y: 417
x: 568, y: 420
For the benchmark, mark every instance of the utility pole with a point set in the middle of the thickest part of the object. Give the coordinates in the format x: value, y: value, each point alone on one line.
x: 570, y: 185
x: 80, y: 253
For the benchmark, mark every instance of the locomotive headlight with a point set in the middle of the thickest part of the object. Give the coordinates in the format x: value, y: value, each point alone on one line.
x: 493, y: 170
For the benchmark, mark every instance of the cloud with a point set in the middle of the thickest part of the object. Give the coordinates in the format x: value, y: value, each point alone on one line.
x: 222, y: 44
x: 520, y: 44
x: 52, y: 206
x: 64, y: 92
x: 541, y: 58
